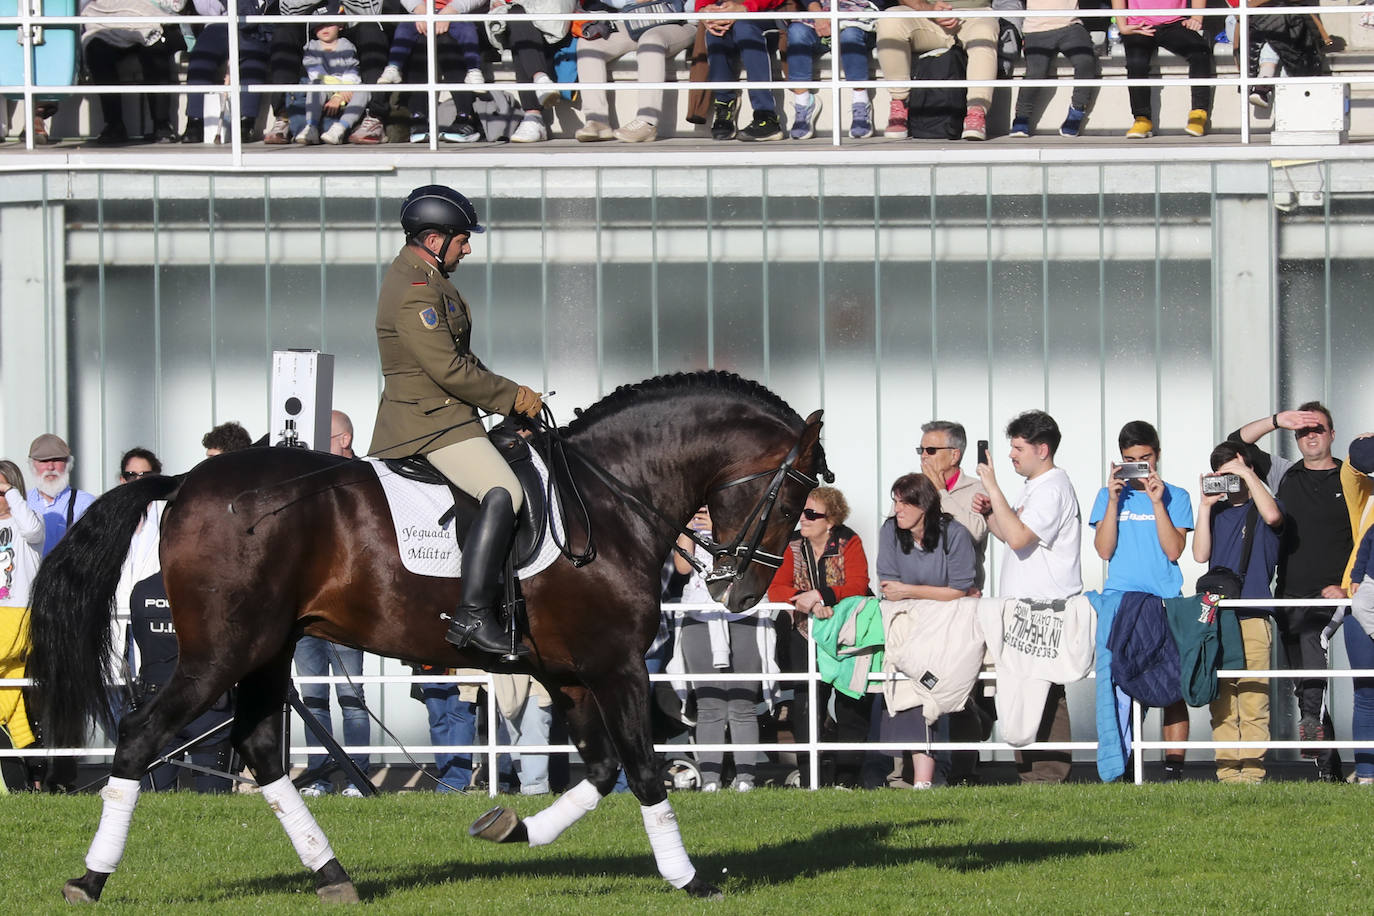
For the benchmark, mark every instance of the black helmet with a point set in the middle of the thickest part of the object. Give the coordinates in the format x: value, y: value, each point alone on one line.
x: 439, y: 208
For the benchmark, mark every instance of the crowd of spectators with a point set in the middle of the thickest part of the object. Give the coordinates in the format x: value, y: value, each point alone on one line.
x: 347, y: 63
x: 1278, y: 528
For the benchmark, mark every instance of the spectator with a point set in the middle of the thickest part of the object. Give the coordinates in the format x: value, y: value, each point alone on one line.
x: 603, y: 42
x: 824, y: 563
x: 316, y: 657
x: 141, y: 562
x: 731, y: 43
x: 317, y: 117
x: 901, y: 38
x: 531, y: 47
x: 1359, y: 633
x: 53, y: 496
x: 1141, y: 527
x: 525, y: 713
x: 1141, y: 36
x: 153, y: 46
x: 458, y: 55
x: 805, y: 38
x: 209, y: 57
x: 227, y: 437
x: 1042, y: 531
x: 923, y: 553
x: 1240, y: 711
x: 1292, y: 42
x: 1043, y: 37
x: 710, y: 641
x: 942, y: 448
x: 287, y: 59
x: 1321, y: 498
x: 21, y: 538
x: 452, y: 711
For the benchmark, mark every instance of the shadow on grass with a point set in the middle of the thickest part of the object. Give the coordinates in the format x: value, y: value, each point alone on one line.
x: 876, y: 844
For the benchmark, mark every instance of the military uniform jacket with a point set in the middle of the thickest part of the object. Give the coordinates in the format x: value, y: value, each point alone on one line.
x: 433, y: 382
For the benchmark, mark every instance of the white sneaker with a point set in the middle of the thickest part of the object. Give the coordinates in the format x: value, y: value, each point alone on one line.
x: 314, y: 790
x: 335, y: 135
x: 309, y: 135
x: 593, y: 131
x: 711, y: 787
x: 351, y: 791
x: 637, y: 131
x: 546, y: 95
x: 741, y: 786
x: 531, y: 130
x: 390, y: 75
x: 474, y: 77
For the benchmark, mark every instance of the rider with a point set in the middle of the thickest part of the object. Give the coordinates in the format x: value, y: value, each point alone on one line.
x: 434, y: 385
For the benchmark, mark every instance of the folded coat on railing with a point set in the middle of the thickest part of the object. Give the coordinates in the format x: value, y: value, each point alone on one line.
x: 125, y: 34
x: 849, y: 645
x: 939, y: 646
x: 1208, y: 638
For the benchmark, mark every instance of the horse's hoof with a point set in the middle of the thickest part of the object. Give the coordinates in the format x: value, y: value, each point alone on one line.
x: 343, y: 892
x: 85, y: 889
x: 703, y: 890
x: 499, y: 825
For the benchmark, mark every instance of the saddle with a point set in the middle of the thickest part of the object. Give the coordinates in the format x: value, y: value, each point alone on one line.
x: 529, y: 521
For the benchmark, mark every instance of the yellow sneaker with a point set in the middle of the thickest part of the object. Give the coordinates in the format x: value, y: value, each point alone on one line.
x: 1197, y: 123
x: 1142, y: 128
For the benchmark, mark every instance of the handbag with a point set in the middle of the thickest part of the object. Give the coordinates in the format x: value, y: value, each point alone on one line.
x: 1223, y: 581
x: 637, y: 27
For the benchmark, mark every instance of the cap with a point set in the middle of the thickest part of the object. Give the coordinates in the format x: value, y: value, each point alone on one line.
x: 1361, y: 455
x: 49, y: 446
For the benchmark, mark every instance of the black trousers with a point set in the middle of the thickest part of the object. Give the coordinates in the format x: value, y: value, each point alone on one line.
x: 1300, y: 630
x: 1181, y: 40
x: 103, y: 59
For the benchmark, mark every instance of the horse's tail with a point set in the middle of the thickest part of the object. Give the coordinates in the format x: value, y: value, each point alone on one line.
x: 70, y: 608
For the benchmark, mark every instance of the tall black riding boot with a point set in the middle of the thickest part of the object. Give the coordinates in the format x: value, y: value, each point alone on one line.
x: 474, y: 622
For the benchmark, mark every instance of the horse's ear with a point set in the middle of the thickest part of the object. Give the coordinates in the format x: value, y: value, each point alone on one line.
x: 811, y: 450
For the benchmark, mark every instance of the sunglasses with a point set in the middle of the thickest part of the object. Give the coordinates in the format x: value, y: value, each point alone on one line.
x: 1309, y: 431
x: 932, y: 449
x: 811, y: 514
x: 134, y: 475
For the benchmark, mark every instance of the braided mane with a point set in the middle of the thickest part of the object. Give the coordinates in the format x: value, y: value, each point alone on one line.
x: 664, y: 386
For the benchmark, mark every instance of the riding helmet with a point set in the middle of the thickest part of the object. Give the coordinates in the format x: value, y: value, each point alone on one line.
x: 439, y: 208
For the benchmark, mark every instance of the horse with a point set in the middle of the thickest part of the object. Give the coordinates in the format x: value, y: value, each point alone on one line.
x: 262, y: 546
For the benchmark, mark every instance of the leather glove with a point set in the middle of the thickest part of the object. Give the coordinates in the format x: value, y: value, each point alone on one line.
x: 528, y: 402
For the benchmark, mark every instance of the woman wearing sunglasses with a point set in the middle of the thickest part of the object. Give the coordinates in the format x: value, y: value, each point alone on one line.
x: 824, y: 563
x: 923, y: 553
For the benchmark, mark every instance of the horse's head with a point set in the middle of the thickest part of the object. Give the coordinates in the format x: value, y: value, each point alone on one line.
x: 755, y: 512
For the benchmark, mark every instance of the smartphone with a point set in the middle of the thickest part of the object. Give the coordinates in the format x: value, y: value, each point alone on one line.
x: 983, y: 451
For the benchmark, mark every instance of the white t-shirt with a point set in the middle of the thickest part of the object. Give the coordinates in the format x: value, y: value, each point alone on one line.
x: 1051, y: 567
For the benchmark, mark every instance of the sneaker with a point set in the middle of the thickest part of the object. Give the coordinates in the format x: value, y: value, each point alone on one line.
x: 922, y: 785
x: 743, y: 785
x: 309, y: 136
x: 1197, y: 123
x: 1173, y: 772
x: 804, y: 116
x: 351, y: 791
x: 1262, y: 96
x: 896, y: 120
x: 976, y: 123
x: 248, y: 130
x: 763, y: 128
x: 369, y: 131
x: 419, y: 132
x: 546, y: 91
x: 594, y: 131
x: 1020, y: 127
x: 723, y: 120
x: 637, y: 131
x: 1142, y: 128
x: 861, y: 120
x: 474, y: 77
x: 461, y: 132
x: 279, y: 134
x: 531, y: 130
x: 1073, y: 122
x: 316, y: 789
x: 711, y: 787
x: 390, y: 76
x: 194, y: 132
x: 336, y: 134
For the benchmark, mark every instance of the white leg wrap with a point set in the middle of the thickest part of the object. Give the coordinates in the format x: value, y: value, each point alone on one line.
x: 299, y: 824
x: 116, y: 814
x: 660, y: 823
x: 546, y: 826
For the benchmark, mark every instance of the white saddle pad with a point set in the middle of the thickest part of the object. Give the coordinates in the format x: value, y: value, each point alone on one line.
x: 430, y: 549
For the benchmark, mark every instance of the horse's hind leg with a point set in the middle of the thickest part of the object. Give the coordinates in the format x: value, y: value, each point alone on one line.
x: 142, y: 736
x: 257, y: 733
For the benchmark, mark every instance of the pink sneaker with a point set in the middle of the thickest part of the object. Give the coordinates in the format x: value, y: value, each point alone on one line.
x: 976, y: 124
x: 896, y: 120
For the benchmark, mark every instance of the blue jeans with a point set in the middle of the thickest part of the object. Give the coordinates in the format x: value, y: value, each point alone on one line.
x: 531, y: 726
x: 451, y: 721
x: 1360, y: 649
x: 746, y: 41
x: 803, y: 44
x: 314, y: 658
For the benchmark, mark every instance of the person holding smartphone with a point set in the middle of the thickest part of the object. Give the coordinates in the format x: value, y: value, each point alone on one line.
x: 1141, y: 525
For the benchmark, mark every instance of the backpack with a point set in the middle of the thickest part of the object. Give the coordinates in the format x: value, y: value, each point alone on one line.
x: 938, y: 113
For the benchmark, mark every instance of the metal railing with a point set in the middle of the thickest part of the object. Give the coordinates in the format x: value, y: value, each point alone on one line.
x: 28, y: 24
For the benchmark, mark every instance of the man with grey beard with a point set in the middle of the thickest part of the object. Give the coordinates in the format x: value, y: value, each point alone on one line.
x: 54, y: 498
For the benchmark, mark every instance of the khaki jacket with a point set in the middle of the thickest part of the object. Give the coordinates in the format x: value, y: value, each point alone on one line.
x: 434, y: 383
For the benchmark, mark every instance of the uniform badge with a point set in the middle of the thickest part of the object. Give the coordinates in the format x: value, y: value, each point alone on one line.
x: 429, y: 318
x: 452, y: 309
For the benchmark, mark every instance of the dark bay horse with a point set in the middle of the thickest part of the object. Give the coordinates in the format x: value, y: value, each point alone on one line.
x: 262, y: 546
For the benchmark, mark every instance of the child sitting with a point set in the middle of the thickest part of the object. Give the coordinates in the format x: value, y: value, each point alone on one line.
x: 315, y: 116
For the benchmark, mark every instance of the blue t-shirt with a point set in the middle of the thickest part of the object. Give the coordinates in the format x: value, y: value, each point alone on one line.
x: 1228, y: 542
x: 1139, y: 564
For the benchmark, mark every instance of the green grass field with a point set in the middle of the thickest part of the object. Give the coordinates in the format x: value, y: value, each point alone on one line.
x: 1177, y: 848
